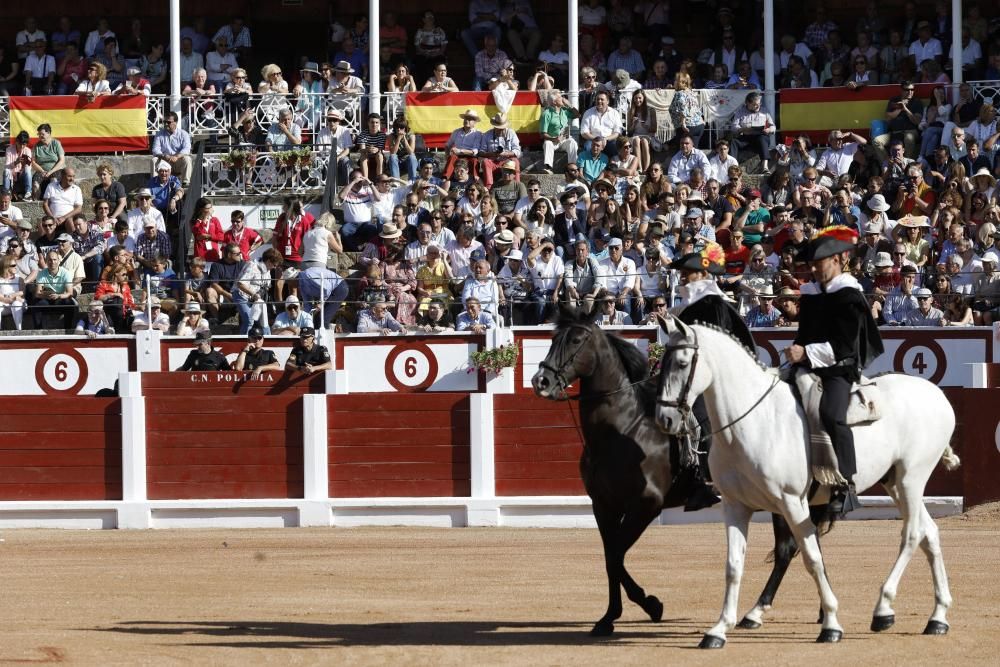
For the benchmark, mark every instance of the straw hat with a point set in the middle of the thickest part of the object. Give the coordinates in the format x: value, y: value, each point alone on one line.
x: 343, y: 66
x: 469, y: 114
x: 499, y: 121
x: 984, y: 172
x: 390, y: 231
x: 914, y: 221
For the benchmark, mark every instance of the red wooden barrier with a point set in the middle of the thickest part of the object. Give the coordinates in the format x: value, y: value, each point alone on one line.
x: 385, y: 445
x: 980, y: 471
x: 58, y: 448
x: 537, y: 446
x: 222, y: 435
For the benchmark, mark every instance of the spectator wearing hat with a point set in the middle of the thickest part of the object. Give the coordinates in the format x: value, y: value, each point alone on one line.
x: 463, y: 143
x: 290, y: 321
x: 879, y: 215
x: 344, y: 82
x: 987, y: 289
x: 788, y: 304
x: 172, y: 144
x: 619, y: 274
x: 17, y: 166
x: 254, y: 357
x: 686, y: 159
x: 764, y: 314
x: 925, y: 314
x: 515, y: 283
x: 203, y: 357
x: 144, y: 212
x: 601, y: 121
x: 192, y: 321
x: 925, y: 46
x: 307, y: 355
x: 136, y: 84
x: 335, y: 131
x: 499, y: 147
x: 95, y: 323
x: 63, y: 198
x: 155, y: 318
x: 837, y: 159
x: 702, y: 232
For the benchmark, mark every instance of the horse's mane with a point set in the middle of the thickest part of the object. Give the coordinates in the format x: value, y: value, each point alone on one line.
x: 750, y: 353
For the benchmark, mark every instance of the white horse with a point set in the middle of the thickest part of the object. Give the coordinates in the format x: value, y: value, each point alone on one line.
x: 760, y: 460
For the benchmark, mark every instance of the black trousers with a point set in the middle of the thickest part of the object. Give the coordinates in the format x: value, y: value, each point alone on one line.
x: 833, y: 414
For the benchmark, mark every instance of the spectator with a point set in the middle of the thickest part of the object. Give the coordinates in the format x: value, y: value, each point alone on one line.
x: 371, y: 144
x: 27, y: 37
x: 484, y: 22
x: 481, y: 285
x: 903, y: 114
x: 192, y: 322
x: 400, y: 80
x: 48, y: 158
x: 686, y: 159
x: 307, y: 356
x: 88, y: 243
x: 17, y: 167
x: 150, y: 244
x: 53, y: 292
x: 753, y: 127
x: 556, y: 60
x: 97, y: 38
x: 619, y: 275
x: 94, y: 83
x: 685, y: 108
x: 111, y: 191
x: 220, y: 63
x: 237, y: 35
x: 222, y: 280
x: 12, y: 301
x: 165, y: 189
x: 293, y: 320
x: 729, y: 54
x: 289, y: 229
x: 627, y: 58
x: 488, y: 62
x: 63, y: 199
x: 284, y: 134
x: 199, y: 91
x: 463, y: 143
x: 272, y: 81
x: 10, y: 216
x: 252, y: 289
x: 173, y: 145
x: 499, y: 146
x: 837, y: 159
x: 764, y: 314
x: 608, y: 314
x: 95, y: 323
x: 72, y: 68
x: 335, y: 130
x: 925, y: 314
x: 39, y: 71
x: 900, y: 301
x: 430, y: 43
x: 143, y: 212
x: 798, y: 75
x: 203, y: 357
x: 925, y: 47
x: 190, y: 60
x: 474, y: 318
x: 357, y: 197
x: 436, y: 319
x: 200, y: 42
x: 206, y: 230
x: 247, y: 239
x: 350, y: 59
x: 915, y: 195
x: 439, y: 81
x: 377, y: 319
x: 254, y: 357
x: 601, y: 121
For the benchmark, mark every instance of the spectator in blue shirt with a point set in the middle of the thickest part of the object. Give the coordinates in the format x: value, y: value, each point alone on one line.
x: 173, y: 145
x: 166, y: 189
x: 764, y: 314
x: 474, y: 318
x: 592, y: 164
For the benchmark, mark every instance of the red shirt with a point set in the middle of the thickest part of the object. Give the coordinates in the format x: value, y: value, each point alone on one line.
x: 245, y: 240
x: 207, y: 249
x: 287, y: 237
x: 736, y: 260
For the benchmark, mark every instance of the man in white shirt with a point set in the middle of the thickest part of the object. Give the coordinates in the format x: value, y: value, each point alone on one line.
x: 190, y: 61
x: 686, y: 159
x: 790, y: 47
x: 720, y: 162
x: 10, y: 215
x: 972, y: 51
x: 39, y: 71
x: 601, y: 121
x: 145, y: 210
x: 969, y: 267
x: 837, y: 159
x: 219, y: 62
x: 95, y: 40
x: 460, y: 252
x: 619, y: 275
x: 546, y: 270
x: 335, y: 129
x: 27, y: 38
x: 63, y: 198
x: 925, y: 47
x: 557, y: 60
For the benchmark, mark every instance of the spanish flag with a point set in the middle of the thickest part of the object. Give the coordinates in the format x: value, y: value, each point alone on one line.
x: 436, y: 115
x: 816, y: 111
x: 110, y: 123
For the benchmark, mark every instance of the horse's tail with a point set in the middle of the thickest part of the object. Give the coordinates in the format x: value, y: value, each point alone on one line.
x: 950, y: 459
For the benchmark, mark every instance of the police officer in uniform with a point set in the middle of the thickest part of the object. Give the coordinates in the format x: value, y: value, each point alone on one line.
x: 702, y: 302
x: 308, y: 356
x: 837, y: 338
x: 254, y: 357
x: 203, y: 357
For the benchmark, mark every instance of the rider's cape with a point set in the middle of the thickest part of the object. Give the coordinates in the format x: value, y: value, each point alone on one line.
x: 704, y: 303
x: 840, y: 326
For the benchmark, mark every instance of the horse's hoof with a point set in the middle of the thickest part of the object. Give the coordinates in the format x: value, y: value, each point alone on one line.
x: 748, y: 624
x: 936, y: 628
x: 602, y: 629
x: 829, y: 636
x: 652, y: 606
x: 882, y: 623
x: 711, y: 641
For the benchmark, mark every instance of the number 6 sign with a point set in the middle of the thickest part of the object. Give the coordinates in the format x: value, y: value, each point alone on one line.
x: 61, y: 372
x: 411, y: 367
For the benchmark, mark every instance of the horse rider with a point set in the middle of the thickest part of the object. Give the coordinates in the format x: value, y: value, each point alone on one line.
x: 837, y: 338
x: 702, y: 302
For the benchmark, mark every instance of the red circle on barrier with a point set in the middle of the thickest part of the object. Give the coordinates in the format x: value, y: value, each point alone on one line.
x: 939, y: 358
x: 47, y: 356
x: 400, y: 350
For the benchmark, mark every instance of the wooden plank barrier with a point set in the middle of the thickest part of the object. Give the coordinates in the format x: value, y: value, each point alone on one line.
x: 537, y: 446
x: 409, y: 445
x: 980, y: 446
x: 61, y: 448
x: 245, y: 441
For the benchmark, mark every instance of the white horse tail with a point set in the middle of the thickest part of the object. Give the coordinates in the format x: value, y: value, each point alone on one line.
x: 950, y: 459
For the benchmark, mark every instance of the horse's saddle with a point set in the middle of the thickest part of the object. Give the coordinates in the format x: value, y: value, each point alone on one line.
x: 865, y: 406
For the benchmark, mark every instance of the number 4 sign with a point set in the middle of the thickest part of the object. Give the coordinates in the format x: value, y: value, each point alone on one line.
x: 925, y: 359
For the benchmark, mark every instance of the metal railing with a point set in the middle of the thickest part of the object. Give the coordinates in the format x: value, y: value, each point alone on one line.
x: 262, y: 173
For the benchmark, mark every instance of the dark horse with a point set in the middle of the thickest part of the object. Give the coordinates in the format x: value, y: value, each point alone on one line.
x: 626, y: 461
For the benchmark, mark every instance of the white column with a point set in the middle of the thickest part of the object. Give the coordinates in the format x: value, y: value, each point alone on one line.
x: 315, y: 511
x: 573, y: 44
x: 956, y: 43
x: 148, y: 350
x: 134, y: 512
x: 482, y: 508
x: 175, y: 56
x: 769, y: 57
x: 374, y: 21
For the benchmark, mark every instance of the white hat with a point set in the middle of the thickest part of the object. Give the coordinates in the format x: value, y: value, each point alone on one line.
x: 290, y: 299
x: 990, y: 256
x: 163, y: 165
x: 878, y: 203
x: 514, y: 254
x: 767, y: 292
x: 922, y: 292
x: 192, y: 307
x: 984, y: 172
x: 873, y: 228
x: 882, y: 260
x: 504, y: 236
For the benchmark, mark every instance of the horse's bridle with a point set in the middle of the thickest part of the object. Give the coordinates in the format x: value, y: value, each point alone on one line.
x: 681, y: 403
x: 559, y: 372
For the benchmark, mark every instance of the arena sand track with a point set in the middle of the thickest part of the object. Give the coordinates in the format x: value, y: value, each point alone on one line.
x: 404, y: 596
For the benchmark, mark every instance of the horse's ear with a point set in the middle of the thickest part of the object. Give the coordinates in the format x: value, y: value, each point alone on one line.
x: 666, y: 324
x: 682, y: 329
x: 567, y: 311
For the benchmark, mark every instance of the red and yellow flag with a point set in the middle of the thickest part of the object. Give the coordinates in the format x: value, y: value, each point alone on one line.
x: 816, y: 111
x: 110, y: 123
x: 436, y: 115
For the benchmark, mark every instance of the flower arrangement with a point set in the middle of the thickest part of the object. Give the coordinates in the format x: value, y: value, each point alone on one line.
x: 655, y: 357
x: 494, y: 359
x: 237, y: 159
x: 295, y: 158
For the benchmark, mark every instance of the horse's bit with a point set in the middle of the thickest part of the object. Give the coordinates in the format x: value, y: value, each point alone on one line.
x: 558, y: 372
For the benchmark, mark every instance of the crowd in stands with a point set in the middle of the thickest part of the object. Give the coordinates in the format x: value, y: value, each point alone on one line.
x: 474, y: 243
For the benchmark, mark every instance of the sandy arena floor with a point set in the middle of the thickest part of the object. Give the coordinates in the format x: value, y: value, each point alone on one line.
x: 466, y: 596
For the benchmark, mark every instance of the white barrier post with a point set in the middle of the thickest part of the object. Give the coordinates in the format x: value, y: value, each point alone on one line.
x: 482, y: 508
x: 315, y: 511
x: 148, y: 351
x: 134, y: 512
